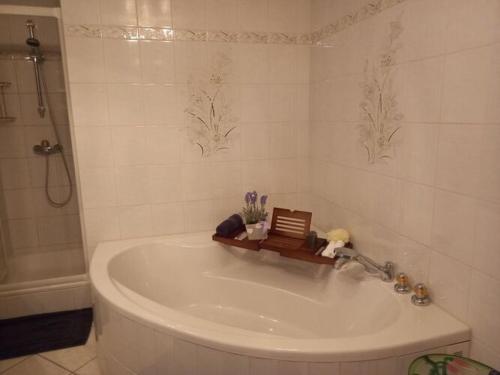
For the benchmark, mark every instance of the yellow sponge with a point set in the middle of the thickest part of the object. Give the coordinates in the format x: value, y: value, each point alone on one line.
x: 338, y: 235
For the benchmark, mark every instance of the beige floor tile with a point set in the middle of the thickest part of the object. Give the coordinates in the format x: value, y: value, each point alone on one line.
x: 8, y: 363
x: 71, y: 358
x: 91, y: 368
x: 36, y: 365
x: 91, y: 340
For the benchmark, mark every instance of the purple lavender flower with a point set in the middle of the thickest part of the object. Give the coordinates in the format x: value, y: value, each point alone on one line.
x: 248, y: 197
x: 263, y: 200
x: 253, y: 197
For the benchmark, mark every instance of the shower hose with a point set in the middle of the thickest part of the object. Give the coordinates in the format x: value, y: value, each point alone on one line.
x: 53, y: 202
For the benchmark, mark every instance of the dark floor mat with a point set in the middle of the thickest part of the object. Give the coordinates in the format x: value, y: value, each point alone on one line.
x: 41, y: 333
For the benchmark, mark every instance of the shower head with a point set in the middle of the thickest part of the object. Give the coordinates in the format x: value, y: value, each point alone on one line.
x: 31, y: 41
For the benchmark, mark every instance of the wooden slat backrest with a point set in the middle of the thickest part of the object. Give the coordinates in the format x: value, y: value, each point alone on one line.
x: 295, y: 224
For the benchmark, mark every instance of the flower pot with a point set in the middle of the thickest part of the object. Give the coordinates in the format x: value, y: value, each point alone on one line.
x: 257, y: 231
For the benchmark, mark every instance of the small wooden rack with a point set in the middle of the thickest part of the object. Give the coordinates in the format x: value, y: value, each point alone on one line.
x: 287, y: 236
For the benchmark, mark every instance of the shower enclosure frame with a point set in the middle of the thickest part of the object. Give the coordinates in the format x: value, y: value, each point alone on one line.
x: 59, y: 293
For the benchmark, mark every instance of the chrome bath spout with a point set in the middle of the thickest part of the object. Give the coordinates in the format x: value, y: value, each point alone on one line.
x: 345, y: 255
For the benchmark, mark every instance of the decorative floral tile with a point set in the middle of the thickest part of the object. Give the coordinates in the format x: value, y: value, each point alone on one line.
x: 158, y: 33
x: 381, y: 119
x: 222, y: 36
x: 368, y: 10
x: 212, y: 123
x: 155, y: 33
x: 252, y: 37
x: 120, y: 32
x: 87, y: 31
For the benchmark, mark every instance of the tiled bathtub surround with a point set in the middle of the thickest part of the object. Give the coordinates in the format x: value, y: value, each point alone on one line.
x: 141, y: 172
x: 434, y: 207
x: 152, y: 351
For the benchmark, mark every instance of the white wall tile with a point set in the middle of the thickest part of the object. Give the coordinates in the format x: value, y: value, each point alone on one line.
x: 154, y: 13
x: 453, y: 225
x: 483, y: 305
x: 489, y: 166
x: 157, y: 61
x: 283, y: 15
x: 160, y: 105
x: 417, y: 153
x: 167, y: 218
x: 94, y: 147
x: 189, y: 14
x: 89, y: 104
x: 459, y: 149
x: 129, y: 145
x: 252, y: 63
x: 254, y: 103
x: 199, y: 215
x: 85, y: 60
x: 118, y: 12
x: 11, y: 142
x: 98, y: 187
x: 164, y: 146
x: 421, y: 98
x: 480, y: 16
x: 449, y: 282
x: 125, y: 104
x: 76, y: 12
x: 135, y: 221
x: 484, y: 354
x: 101, y: 224
x: 255, y: 141
x: 22, y: 233
x: 19, y: 203
x: 222, y: 15
x: 423, y: 21
x: 417, y: 211
x: 253, y: 15
x: 132, y: 185
x: 487, y: 254
x: 122, y: 61
x: 14, y: 173
x: 59, y: 230
x: 464, y: 88
x: 165, y: 183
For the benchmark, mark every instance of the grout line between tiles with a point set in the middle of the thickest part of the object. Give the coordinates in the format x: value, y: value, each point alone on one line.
x: 53, y: 362
x: 85, y: 364
x: 18, y: 363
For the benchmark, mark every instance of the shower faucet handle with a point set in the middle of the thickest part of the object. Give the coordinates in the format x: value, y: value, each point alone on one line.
x: 421, y: 296
x: 45, y: 149
x: 402, y: 285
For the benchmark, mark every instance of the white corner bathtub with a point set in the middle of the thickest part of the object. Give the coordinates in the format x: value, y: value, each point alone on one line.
x: 185, y: 305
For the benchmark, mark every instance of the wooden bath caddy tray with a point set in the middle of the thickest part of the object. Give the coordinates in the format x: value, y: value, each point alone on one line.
x: 287, y: 236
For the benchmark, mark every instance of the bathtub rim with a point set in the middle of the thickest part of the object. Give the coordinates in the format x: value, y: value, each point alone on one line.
x: 243, y: 342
